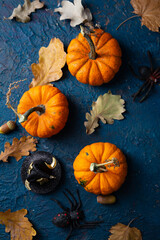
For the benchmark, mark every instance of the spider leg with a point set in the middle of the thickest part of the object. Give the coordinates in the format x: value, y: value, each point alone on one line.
x: 148, y: 82
x: 133, y: 72
x: 60, y: 205
x: 151, y: 85
x: 74, y: 200
x: 150, y: 60
x: 156, y: 73
x: 69, y: 200
x: 70, y: 232
x: 140, y: 90
x: 79, y: 199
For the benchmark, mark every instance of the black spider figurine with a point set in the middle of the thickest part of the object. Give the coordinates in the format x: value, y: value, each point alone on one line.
x: 71, y: 217
x: 147, y: 74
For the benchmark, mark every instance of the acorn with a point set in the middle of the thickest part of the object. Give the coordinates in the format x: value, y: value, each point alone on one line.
x: 41, y: 172
x: 7, y: 127
x: 108, y: 199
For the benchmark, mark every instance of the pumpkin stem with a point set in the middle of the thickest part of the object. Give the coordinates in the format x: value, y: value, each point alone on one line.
x: 40, y: 109
x: 92, y: 53
x: 95, y: 167
x: 126, y: 21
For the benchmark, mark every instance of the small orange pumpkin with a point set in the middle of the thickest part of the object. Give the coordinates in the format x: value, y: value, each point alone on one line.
x: 43, y: 111
x: 94, y: 59
x: 101, y: 168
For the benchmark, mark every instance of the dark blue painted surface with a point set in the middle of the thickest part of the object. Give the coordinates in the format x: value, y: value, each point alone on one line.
x: 138, y: 135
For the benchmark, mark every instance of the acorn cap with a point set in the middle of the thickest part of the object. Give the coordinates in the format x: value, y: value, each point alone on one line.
x: 41, y: 172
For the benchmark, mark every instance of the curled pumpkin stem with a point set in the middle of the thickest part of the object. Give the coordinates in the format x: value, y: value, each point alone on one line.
x: 99, y: 168
x: 92, y: 53
x: 12, y: 86
x: 40, y: 109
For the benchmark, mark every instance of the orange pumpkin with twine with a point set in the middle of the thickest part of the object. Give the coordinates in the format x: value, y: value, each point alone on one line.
x: 94, y: 59
x: 43, y: 111
x: 101, y: 168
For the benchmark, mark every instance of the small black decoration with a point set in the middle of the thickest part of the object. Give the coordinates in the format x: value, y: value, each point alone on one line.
x: 149, y: 75
x: 72, y: 217
x: 41, y: 172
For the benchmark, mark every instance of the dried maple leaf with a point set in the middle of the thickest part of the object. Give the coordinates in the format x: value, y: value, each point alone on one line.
x: 75, y: 12
x: 21, y: 13
x: 19, y: 148
x: 18, y: 225
x: 107, y: 108
x: 123, y: 232
x: 51, y: 60
x: 149, y: 10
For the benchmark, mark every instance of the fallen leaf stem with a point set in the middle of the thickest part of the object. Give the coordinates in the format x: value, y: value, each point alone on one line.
x: 134, y: 16
x: 95, y: 167
x: 92, y: 53
x: 40, y: 109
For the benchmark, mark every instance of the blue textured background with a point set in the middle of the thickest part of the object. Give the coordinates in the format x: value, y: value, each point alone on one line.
x: 138, y: 135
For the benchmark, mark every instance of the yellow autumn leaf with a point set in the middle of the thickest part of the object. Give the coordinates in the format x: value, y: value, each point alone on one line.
x: 51, y: 60
x: 18, y: 225
x: 123, y: 232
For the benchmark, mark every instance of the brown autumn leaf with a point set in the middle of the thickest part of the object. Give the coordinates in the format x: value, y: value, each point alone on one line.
x: 21, y: 13
x: 149, y: 10
x: 123, y: 232
x: 19, y: 148
x: 18, y: 225
x: 51, y: 60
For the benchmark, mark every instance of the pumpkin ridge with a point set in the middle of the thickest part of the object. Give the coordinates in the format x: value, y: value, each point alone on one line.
x: 84, y: 55
x: 29, y: 96
x: 88, y: 182
x: 57, y: 106
x: 103, y: 44
x: 88, y: 69
x: 83, y: 44
x: 81, y: 66
x: 99, y: 70
x: 97, y: 174
x: 102, y: 154
x: 108, y: 182
x: 93, y: 154
x: 106, y: 65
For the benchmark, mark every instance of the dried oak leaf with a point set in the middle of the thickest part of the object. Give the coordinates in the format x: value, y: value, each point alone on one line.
x: 21, y: 13
x: 19, y: 148
x: 107, y: 108
x: 18, y: 225
x: 123, y: 232
x: 149, y: 10
x: 51, y: 60
x: 75, y: 12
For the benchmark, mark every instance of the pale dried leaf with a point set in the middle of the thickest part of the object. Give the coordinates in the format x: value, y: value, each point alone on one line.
x: 18, y: 225
x: 21, y: 13
x: 107, y: 108
x: 149, y: 10
x: 123, y: 232
x: 51, y: 60
x: 19, y: 148
x: 75, y: 12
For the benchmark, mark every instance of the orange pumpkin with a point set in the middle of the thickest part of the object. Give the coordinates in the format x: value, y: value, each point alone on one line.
x: 100, y: 168
x: 43, y: 111
x: 94, y: 59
